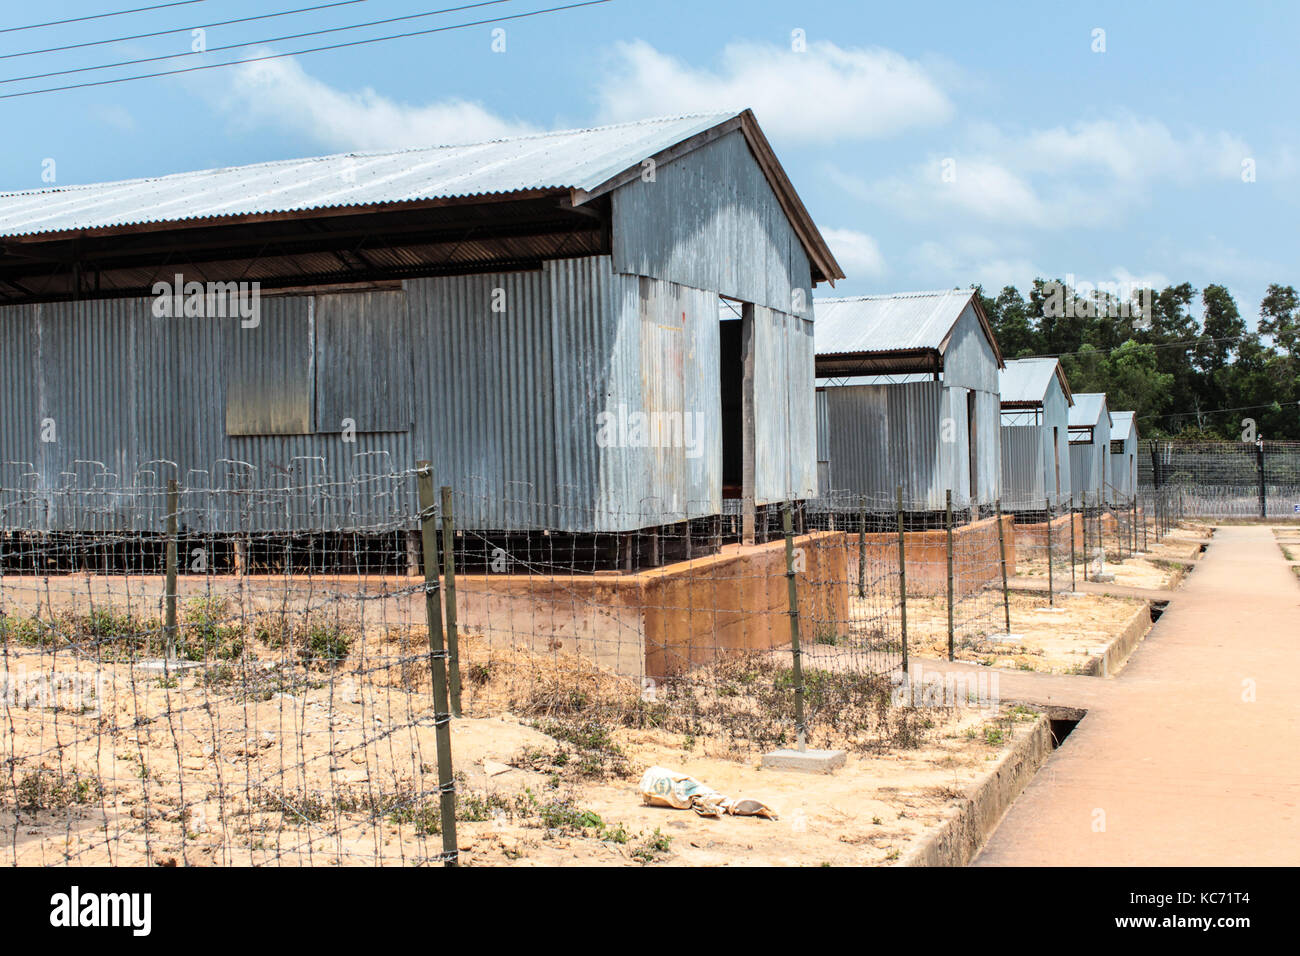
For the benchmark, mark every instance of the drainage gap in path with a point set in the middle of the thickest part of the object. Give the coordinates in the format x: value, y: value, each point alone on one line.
x: 1061, y: 728
x: 1157, y: 608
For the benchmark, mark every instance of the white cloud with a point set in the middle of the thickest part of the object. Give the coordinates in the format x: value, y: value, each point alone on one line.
x: 961, y: 261
x: 978, y: 187
x: 857, y: 253
x: 828, y: 93
x: 1132, y: 149
x: 1092, y: 173
x: 280, y: 93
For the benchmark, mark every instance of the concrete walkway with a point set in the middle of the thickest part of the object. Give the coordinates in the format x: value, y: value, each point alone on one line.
x: 1175, y: 763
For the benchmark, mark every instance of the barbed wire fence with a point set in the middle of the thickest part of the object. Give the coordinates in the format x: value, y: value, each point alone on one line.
x: 194, y: 675
x: 216, y: 667
x: 1048, y: 545
x: 213, y: 669
x: 1246, y: 479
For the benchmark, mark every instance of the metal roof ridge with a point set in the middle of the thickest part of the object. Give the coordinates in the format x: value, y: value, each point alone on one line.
x: 363, y: 154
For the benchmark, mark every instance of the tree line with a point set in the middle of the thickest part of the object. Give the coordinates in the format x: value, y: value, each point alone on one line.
x: 1187, y: 375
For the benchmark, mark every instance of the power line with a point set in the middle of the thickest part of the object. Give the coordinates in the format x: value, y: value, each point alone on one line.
x: 99, y: 16
x: 1184, y: 344
x: 1215, y: 411
x: 236, y: 46
x: 319, y: 49
x: 197, y: 26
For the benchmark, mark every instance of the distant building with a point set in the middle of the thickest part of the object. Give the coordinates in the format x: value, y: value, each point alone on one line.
x: 1123, y: 457
x: 1036, y: 404
x: 908, y: 393
x: 1090, y: 426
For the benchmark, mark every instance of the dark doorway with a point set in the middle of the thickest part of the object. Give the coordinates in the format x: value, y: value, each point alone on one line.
x: 731, y: 380
x: 1056, y: 459
x: 736, y: 382
x: 972, y: 436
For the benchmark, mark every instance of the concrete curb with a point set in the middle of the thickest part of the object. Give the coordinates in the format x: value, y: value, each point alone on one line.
x: 962, y: 836
x: 1112, y: 660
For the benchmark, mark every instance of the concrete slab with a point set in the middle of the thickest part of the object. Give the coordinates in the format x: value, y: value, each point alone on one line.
x: 158, y: 665
x: 805, y: 761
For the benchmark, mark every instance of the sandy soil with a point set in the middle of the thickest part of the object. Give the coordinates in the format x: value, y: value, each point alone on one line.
x: 1158, y: 568
x: 1056, y: 639
x: 267, y: 762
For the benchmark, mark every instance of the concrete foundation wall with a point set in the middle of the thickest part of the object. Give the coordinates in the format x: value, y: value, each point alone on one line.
x: 656, y: 623
x: 976, y: 559
x: 1033, y: 537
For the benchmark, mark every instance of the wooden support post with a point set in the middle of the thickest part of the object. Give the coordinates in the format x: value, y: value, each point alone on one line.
x: 952, y: 650
x: 1002, y: 554
x: 449, y: 592
x: 437, y: 661
x: 1051, y: 589
x: 413, y: 554
x: 862, y: 546
x: 902, y: 575
x: 173, y: 505
x: 1074, y: 584
x: 1083, y: 518
x: 792, y: 591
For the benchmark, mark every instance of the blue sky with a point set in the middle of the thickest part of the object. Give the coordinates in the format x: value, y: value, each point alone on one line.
x: 936, y: 144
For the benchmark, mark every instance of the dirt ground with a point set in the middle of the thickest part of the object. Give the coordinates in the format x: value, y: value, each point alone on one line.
x: 266, y: 762
x: 1058, y: 639
x: 1160, y: 567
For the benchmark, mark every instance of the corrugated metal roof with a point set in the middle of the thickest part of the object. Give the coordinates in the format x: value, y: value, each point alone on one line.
x: 1087, y: 408
x: 887, y: 323
x: 1026, y: 380
x: 1121, y: 426
x: 572, y: 159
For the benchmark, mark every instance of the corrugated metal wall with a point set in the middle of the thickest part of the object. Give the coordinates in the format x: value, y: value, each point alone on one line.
x: 1028, y: 463
x: 1123, y: 472
x: 881, y: 436
x: 718, y: 199
x: 1090, y: 464
x: 917, y: 433
x: 505, y: 404
x: 784, y: 408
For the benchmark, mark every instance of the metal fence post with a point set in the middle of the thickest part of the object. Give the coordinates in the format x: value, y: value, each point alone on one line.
x: 948, y: 525
x: 173, y: 505
x: 449, y: 598
x: 1051, y: 586
x: 1133, y: 524
x: 1074, y: 584
x: 1259, y: 465
x: 801, y: 728
x: 902, y: 575
x: 862, y: 546
x: 437, y: 661
x: 1002, y: 555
